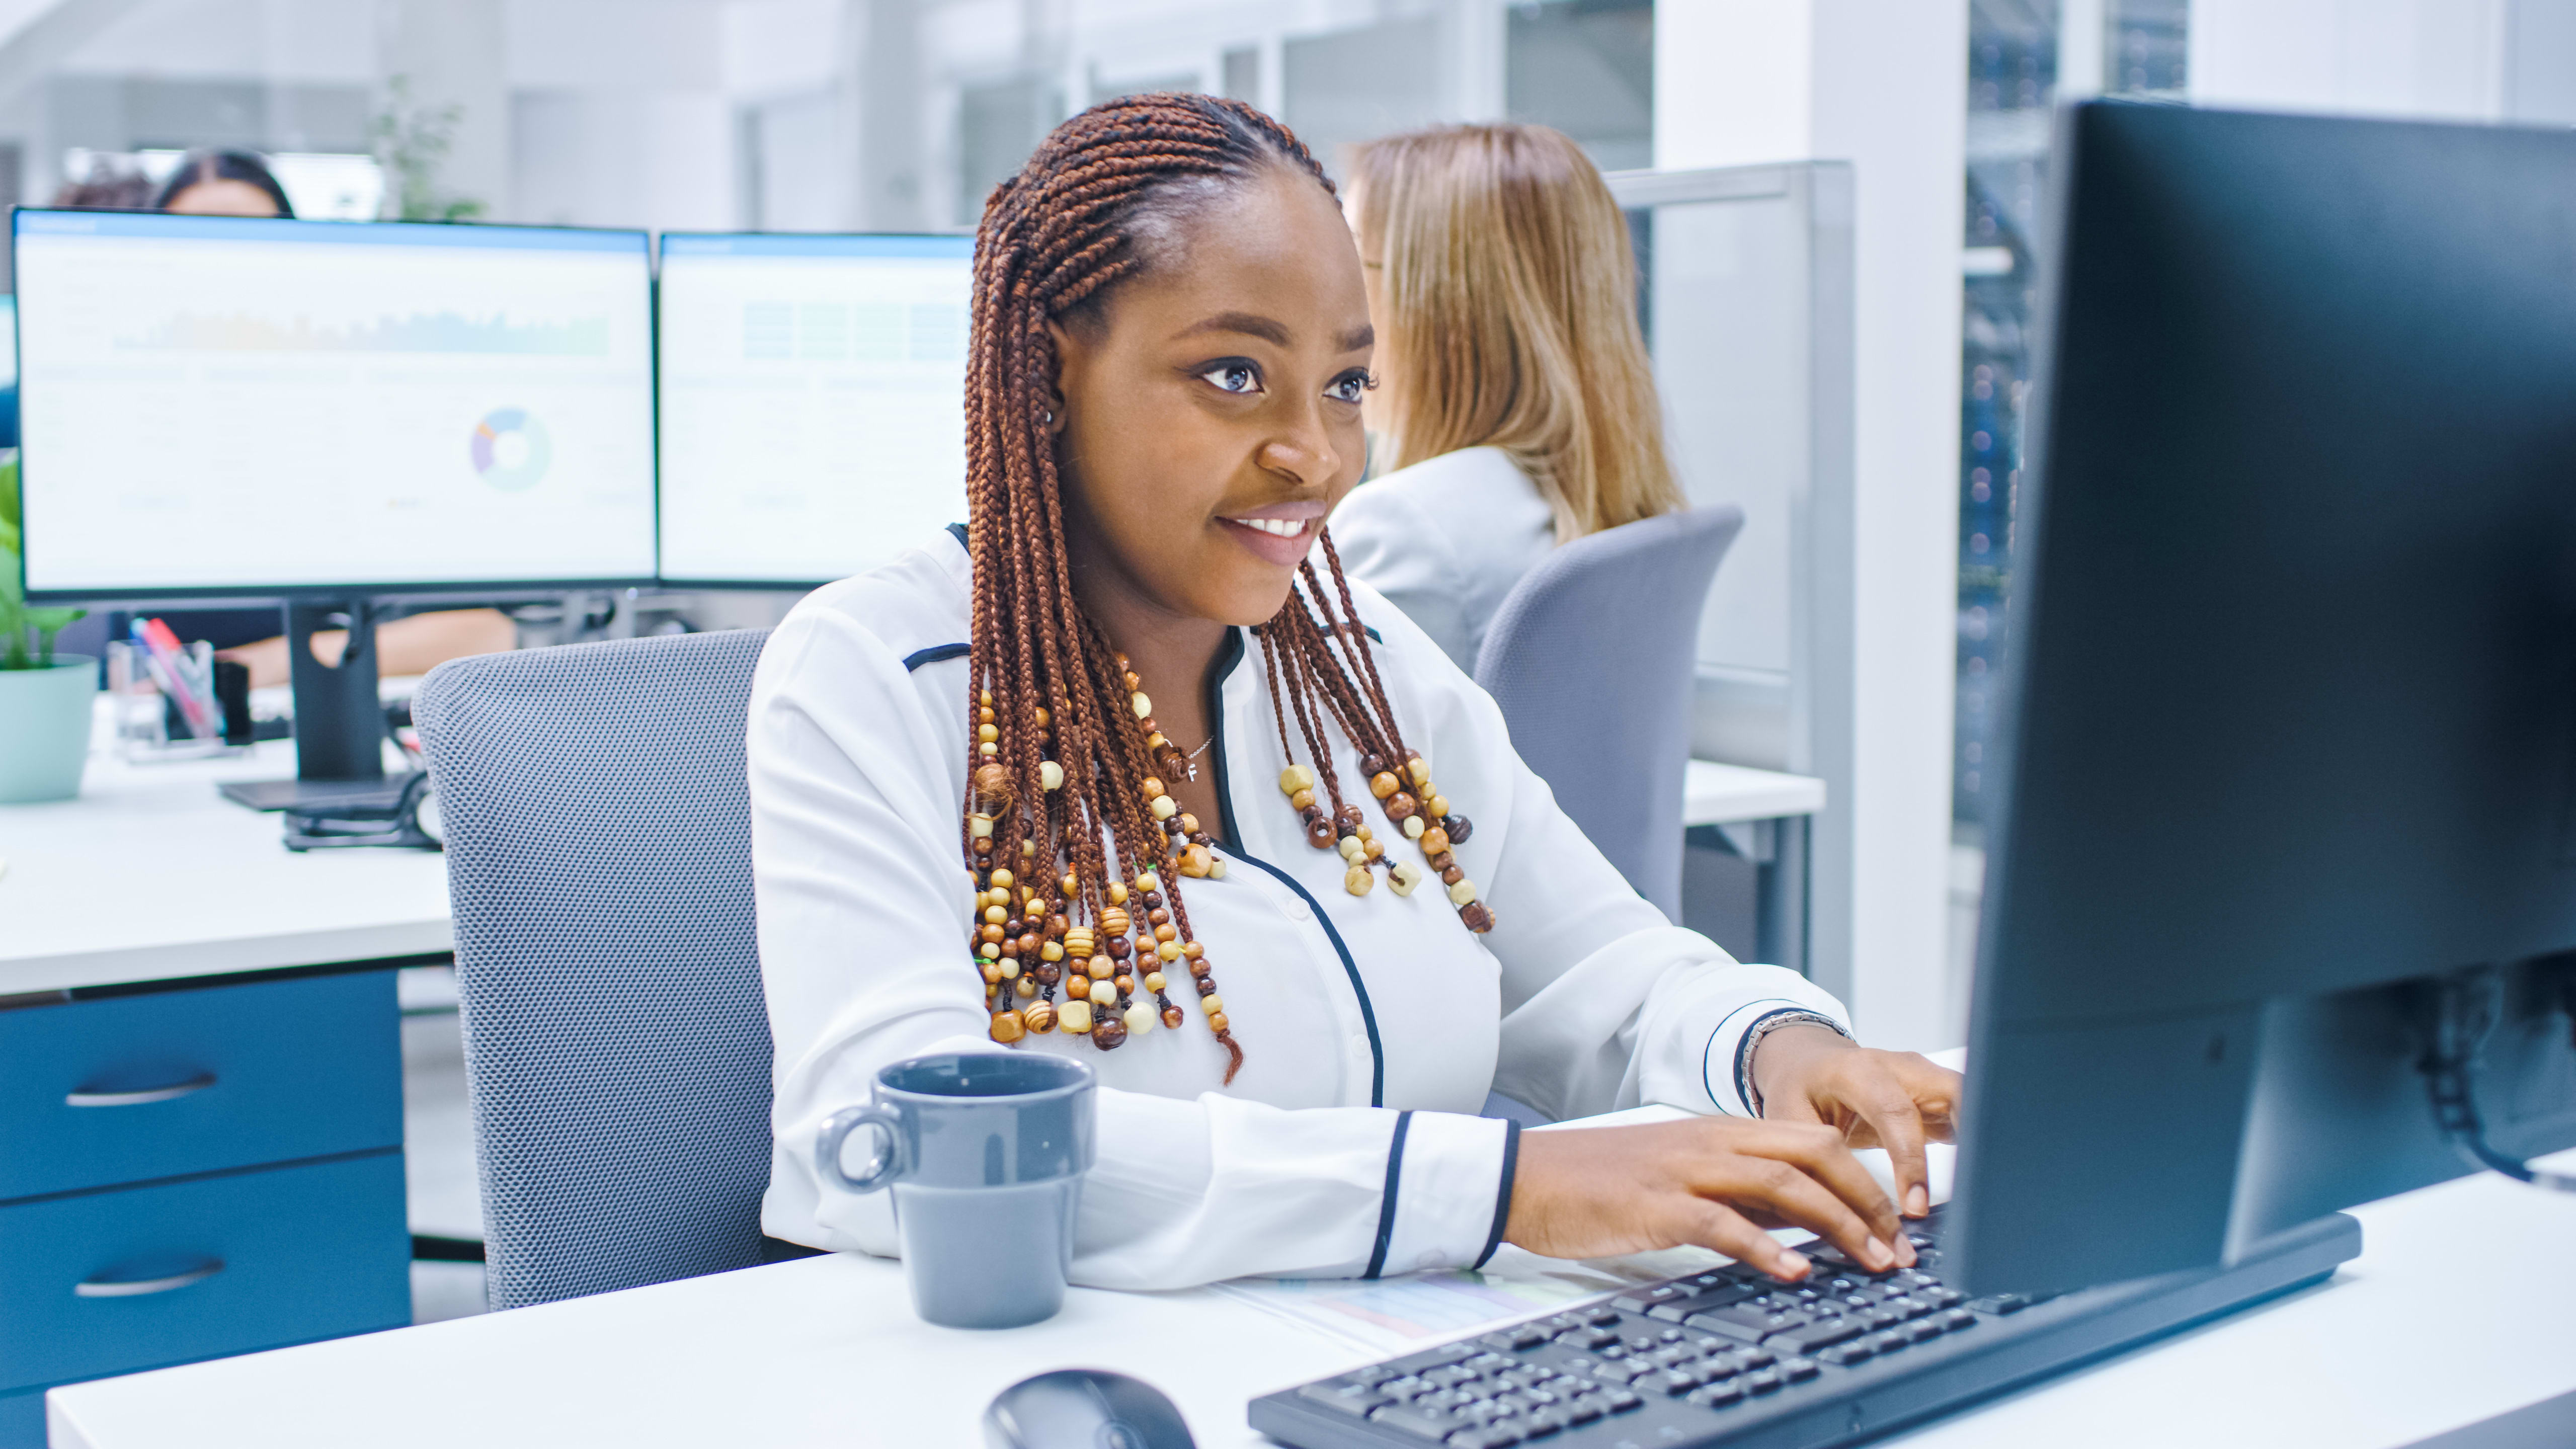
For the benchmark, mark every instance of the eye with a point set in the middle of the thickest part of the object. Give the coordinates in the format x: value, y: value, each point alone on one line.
x: 1348, y: 387
x: 1233, y: 375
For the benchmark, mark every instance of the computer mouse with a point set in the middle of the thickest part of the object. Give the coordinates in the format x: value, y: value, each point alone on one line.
x: 1084, y: 1409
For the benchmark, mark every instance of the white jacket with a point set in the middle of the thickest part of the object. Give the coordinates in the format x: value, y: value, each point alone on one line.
x: 1372, y: 1026
x: 1445, y: 540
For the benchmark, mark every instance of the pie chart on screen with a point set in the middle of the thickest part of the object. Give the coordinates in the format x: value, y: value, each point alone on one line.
x: 510, y: 449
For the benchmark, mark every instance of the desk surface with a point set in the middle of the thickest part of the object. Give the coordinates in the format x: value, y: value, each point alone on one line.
x: 1715, y: 794
x: 150, y: 875
x: 2454, y: 1313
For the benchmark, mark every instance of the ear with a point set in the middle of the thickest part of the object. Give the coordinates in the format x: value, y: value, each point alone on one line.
x: 1071, y: 358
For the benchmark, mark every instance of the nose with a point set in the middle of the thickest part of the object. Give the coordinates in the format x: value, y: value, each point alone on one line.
x: 1303, y: 450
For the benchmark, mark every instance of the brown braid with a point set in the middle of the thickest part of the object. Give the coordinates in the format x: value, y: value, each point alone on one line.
x: 1088, y: 211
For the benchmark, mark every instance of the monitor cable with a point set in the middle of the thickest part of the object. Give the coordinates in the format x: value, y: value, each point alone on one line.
x: 2457, y: 1019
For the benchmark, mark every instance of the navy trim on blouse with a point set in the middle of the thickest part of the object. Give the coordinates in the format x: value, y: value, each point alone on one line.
x: 1503, y: 1193
x: 1386, y: 1203
x: 1368, y: 1013
x: 931, y: 655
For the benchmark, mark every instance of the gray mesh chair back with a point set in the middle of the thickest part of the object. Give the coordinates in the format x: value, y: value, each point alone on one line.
x: 1590, y: 657
x: 598, y: 836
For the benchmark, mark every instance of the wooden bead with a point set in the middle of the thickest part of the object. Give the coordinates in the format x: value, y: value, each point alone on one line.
x: 1153, y: 980
x: 1461, y: 892
x: 1201, y: 979
x: 1320, y: 833
x: 1008, y: 968
x: 1296, y: 778
x: 1107, y: 1032
x: 1418, y: 768
x: 1172, y: 1017
x: 1218, y: 1022
x: 1100, y: 968
x: 996, y: 915
x: 1102, y: 993
x: 1002, y: 879
x: 1167, y: 950
x: 1442, y: 860
x: 1478, y: 918
x: 993, y: 788
x: 979, y: 826
x: 1383, y: 784
x: 1164, y: 933
x: 1450, y: 874
x: 1068, y: 885
x: 1459, y: 828
x: 1029, y: 943
x: 1075, y: 1017
x: 1357, y: 880
x: 1195, y: 861
x: 1373, y: 850
x: 1025, y: 987
x: 1077, y: 942
x: 1152, y: 787
x: 1216, y: 869
x: 1007, y: 1027
x: 1050, y: 775
x: 1372, y: 765
x: 1038, y: 1016
x: 992, y: 972
x: 1124, y: 984
x: 1117, y: 893
x: 1413, y: 827
x: 1193, y: 950
x: 1434, y: 840
x: 1119, y: 946
x: 1050, y: 951
x: 1403, y: 877
x: 1211, y: 1003
x: 1148, y: 882
x: 1351, y: 848
x: 1189, y: 823
x: 1400, y: 806
x: 1143, y: 705
x: 1114, y: 922
x: 1049, y: 974
x: 1438, y: 805
x: 1141, y: 1018
x: 992, y: 934
x: 1302, y: 799
x: 1348, y: 819
x: 987, y: 733
x: 1164, y: 807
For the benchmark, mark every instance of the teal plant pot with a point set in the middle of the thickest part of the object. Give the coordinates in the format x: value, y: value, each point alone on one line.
x: 44, y: 729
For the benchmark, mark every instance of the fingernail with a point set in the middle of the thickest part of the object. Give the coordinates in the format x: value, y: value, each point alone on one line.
x: 1917, y: 1201
x: 1879, y: 1255
x: 1904, y: 1253
x: 1792, y: 1264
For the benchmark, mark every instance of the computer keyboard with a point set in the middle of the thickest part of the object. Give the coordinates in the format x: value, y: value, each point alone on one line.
x: 1733, y: 1357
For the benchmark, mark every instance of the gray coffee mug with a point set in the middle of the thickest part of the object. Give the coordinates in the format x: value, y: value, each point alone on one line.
x: 985, y: 1153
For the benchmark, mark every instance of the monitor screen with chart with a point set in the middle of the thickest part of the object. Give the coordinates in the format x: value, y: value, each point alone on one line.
x: 221, y: 405
x: 812, y: 402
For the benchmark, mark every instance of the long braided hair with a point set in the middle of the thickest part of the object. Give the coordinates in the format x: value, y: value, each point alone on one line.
x: 1074, y: 842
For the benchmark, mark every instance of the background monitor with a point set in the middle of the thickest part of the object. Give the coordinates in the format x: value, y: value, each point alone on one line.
x: 222, y: 406
x: 2289, y: 747
x: 812, y: 402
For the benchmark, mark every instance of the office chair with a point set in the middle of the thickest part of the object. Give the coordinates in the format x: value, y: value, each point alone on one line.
x: 598, y: 834
x: 1590, y: 658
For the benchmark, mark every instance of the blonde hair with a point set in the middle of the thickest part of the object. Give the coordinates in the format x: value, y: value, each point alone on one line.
x: 1511, y: 316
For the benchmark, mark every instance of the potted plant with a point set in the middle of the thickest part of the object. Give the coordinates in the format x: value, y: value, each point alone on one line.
x: 44, y: 700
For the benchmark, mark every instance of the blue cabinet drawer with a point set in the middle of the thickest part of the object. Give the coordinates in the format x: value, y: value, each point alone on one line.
x: 131, y: 1088
x: 22, y: 1420
x: 133, y: 1278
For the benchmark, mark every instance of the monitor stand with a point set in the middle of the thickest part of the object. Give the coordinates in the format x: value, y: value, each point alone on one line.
x: 339, y: 722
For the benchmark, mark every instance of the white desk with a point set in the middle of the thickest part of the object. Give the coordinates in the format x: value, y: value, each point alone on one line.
x: 1715, y: 794
x: 2429, y: 1330
x: 150, y: 875
x: 1762, y: 817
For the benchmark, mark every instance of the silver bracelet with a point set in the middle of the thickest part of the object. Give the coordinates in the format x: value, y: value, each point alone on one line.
x: 1753, y: 1040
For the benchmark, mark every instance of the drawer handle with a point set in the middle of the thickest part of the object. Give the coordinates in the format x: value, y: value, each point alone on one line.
x: 136, y: 1099
x: 143, y: 1287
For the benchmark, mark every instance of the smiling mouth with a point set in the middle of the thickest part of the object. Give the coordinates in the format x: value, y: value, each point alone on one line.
x: 1276, y: 527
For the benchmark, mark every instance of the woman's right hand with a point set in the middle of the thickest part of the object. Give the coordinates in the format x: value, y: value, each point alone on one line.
x: 1713, y: 1182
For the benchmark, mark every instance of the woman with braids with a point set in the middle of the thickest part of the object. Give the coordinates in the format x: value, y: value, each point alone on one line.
x: 1126, y: 768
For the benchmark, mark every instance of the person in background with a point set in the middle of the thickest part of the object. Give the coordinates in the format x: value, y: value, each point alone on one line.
x: 1517, y: 406
x: 106, y: 188
x: 223, y: 183
x: 237, y: 183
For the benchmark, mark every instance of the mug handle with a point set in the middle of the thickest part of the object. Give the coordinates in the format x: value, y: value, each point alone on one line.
x: 889, y: 1161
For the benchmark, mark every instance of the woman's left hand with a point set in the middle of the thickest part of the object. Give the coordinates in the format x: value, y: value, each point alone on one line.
x: 1895, y: 1100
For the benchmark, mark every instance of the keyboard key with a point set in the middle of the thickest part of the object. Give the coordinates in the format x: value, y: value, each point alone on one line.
x: 2001, y: 1304
x: 1717, y: 1395
x: 1747, y: 1323
x: 1754, y: 1357
x: 1585, y: 1408
x: 1404, y: 1419
x: 1761, y: 1381
x: 1642, y: 1342
x: 1958, y: 1318
x: 1844, y: 1355
x: 1941, y: 1297
x: 1376, y: 1373
x: 1888, y: 1342
x: 1353, y: 1399
x: 1403, y: 1388
x: 1623, y: 1400
x: 1543, y: 1422
x: 1675, y: 1382
x: 1602, y: 1317
x: 1432, y: 1358
x: 1527, y: 1374
x: 1813, y: 1336
x: 1725, y: 1295
x: 1923, y: 1330
x: 1452, y: 1376
x: 1644, y: 1299
x: 1798, y: 1370
x: 1491, y: 1436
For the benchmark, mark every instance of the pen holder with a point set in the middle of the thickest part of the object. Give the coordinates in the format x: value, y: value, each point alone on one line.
x: 152, y: 724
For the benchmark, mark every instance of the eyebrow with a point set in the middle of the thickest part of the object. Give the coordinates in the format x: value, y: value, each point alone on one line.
x: 1254, y: 325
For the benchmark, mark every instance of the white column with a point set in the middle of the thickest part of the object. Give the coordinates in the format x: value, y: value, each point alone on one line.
x: 883, y: 109
x: 455, y: 53
x: 1883, y: 86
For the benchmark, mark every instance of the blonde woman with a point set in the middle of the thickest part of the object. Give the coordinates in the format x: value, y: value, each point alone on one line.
x: 1515, y: 404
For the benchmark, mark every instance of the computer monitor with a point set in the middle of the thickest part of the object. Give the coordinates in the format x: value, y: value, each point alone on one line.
x: 329, y: 412
x: 2288, y: 782
x: 812, y: 403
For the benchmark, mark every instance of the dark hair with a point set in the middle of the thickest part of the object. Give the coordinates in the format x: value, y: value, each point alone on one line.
x: 106, y: 188
x: 1069, y: 775
x: 200, y: 167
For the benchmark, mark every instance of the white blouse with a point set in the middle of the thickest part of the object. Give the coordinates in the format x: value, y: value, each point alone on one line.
x: 1372, y: 1026
x: 1445, y: 540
